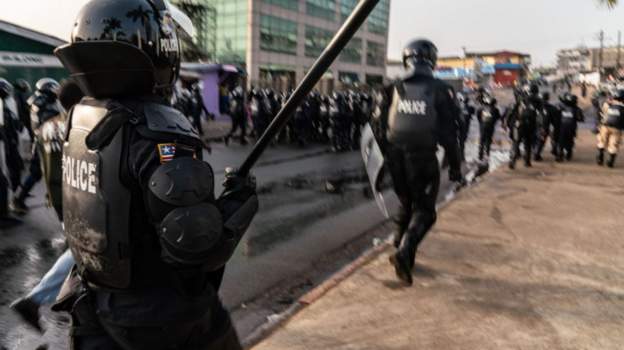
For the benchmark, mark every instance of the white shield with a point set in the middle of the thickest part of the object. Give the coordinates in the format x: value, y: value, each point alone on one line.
x: 374, y: 163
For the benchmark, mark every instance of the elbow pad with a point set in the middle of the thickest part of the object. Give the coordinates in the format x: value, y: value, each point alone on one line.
x: 181, y: 199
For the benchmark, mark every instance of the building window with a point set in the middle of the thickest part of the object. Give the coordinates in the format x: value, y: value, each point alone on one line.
x: 321, y: 8
x: 292, y: 5
x: 378, y: 20
x: 226, y: 29
x: 374, y: 80
x: 375, y: 54
x: 348, y: 78
x: 352, y: 53
x: 346, y: 8
x: 316, y: 40
x: 278, y: 35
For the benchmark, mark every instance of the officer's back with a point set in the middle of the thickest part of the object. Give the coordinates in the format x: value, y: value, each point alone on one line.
x: 149, y: 237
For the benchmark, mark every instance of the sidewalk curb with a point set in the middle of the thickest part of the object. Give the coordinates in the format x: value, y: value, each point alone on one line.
x: 273, y: 324
x: 265, y: 330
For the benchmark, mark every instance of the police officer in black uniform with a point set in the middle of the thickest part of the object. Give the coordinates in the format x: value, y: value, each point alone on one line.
x: 488, y: 115
x: 8, y: 145
x: 44, y: 108
x: 551, y: 127
x: 22, y: 94
x: 418, y: 113
x: 571, y: 115
x: 237, y: 113
x: 467, y: 113
x: 522, y: 120
x: 149, y: 237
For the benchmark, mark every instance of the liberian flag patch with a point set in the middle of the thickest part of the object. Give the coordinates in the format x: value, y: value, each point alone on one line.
x: 166, y: 151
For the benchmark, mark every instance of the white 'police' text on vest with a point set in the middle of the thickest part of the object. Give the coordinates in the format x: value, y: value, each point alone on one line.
x: 412, y: 107
x: 79, y: 174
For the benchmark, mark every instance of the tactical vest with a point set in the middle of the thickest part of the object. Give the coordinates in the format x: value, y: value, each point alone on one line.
x: 613, y: 116
x: 486, y: 116
x: 96, y: 205
x: 96, y: 199
x: 412, y: 118
x: 568, y: 114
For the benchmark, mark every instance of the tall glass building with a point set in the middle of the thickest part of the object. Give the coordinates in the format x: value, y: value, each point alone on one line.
x: 277, y: 41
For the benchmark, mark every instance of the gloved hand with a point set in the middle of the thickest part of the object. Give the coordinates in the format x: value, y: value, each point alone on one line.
x: 237, y: 187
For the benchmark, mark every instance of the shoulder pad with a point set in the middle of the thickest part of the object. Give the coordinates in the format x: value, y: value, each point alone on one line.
x: 161, y: 118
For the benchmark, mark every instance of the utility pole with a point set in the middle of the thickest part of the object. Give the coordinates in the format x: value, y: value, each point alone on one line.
x: 619, y: 51
x: 601, y: 53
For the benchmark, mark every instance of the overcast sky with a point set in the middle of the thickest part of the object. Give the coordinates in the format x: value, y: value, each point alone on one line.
x: 538, y: 27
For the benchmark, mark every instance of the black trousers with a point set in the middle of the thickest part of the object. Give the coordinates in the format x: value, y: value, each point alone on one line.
x: 34, y: 175
x: 525, y: 136
x: 541, y: 137
x: 567, y: 137
x: 238, y: 122
x: 4, y: 192
x: 487, y: 134
x: 90, y: 331
x: 416, y: 180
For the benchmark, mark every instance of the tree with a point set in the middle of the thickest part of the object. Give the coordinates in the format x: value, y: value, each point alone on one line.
x: 608, y: 3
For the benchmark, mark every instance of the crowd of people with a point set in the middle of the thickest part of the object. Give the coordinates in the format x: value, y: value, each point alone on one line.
x: 534, y: 119
x: 334, y: 119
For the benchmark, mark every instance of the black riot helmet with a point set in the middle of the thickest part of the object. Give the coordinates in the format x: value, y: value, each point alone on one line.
x: 569, y: 99
x: 22, y: 86
x: 123, y: 47
x: 534, y: 89
x: 420, y: 52
x: 48, y: 87
x: 546, y: 96
x: 6, y: 89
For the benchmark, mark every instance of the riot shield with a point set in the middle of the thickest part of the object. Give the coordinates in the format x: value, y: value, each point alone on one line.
x: 374, y: 163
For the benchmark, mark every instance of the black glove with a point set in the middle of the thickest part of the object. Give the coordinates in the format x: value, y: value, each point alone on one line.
x: 237, y: 187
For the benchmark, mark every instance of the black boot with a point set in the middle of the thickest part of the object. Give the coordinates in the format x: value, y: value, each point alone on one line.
x: 19, y: 206
x: 611, y: 162
x: 569, y: 155
x: 600, y: 157
x: 28, y: 310
x: 401, y: 268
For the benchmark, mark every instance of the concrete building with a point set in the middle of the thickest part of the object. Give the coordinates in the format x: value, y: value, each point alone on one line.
x: 581, y: 60
x: 499, y: 67
x: 277, y: 41
x: 28, y: 54
x: 572, y: 61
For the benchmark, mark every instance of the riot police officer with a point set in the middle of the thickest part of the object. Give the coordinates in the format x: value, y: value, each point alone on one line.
x: 237, y: 113
x: 8, y: 141
x: 418, y: 113
x: 22, y: 94
x: 611, y: 124
x: 548, y: 117
x: 488, y: 115
x: 522, y: 121
x: 44, y: 107
x: 571, y: 115
x: 149, y: 237
x: 467, y: 113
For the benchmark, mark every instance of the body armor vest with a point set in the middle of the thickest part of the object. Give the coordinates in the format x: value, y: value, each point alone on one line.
x: 412, y: 118
x: 96, y: 205
x: 613, y: 116
x: 568, y: 114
